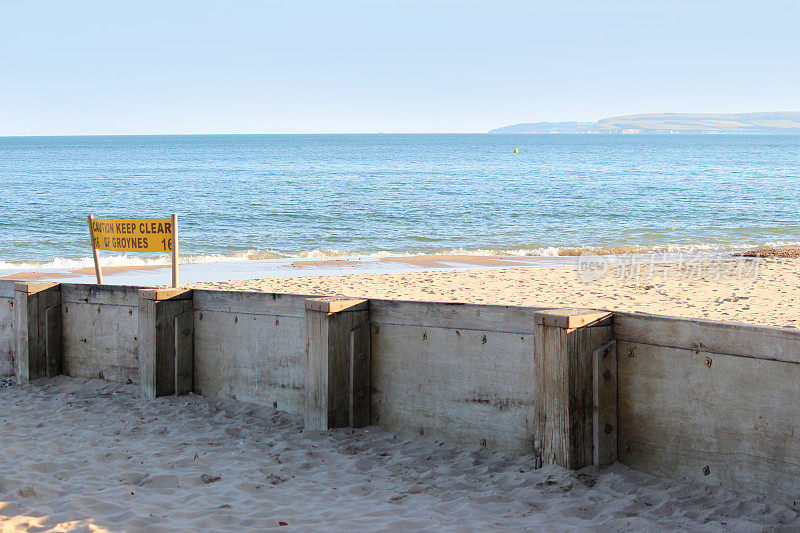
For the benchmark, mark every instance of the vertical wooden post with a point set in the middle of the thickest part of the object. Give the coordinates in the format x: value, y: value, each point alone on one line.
x: 162, y: 315
x: 564, y: 340
x: 98, y: 272
x: 174, y: 251
x: 336, y: 376
x: 37, y: 321
x: 604, y: 365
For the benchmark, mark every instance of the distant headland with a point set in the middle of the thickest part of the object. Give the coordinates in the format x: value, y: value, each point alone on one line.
x: 780, y: 123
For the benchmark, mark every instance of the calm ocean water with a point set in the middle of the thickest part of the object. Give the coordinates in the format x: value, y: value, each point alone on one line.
x: 263, y: 196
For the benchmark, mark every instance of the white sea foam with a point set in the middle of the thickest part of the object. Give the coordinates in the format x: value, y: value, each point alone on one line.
x: 67, y: 264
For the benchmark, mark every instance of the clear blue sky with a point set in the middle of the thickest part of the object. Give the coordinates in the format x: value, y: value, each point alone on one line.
x: 78, y: 67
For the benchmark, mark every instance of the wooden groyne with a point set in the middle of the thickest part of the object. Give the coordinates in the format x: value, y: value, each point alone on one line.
x: 705, y: 401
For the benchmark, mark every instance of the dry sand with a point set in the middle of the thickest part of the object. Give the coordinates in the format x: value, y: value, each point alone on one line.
x: 92, y: 455
x: 754, y: 291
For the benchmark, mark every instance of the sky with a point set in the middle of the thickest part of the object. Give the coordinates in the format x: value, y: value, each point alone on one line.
x: 162, y: 67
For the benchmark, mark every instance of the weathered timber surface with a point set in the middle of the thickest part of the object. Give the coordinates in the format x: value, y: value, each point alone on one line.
x: 52, y: 340
x: 328, y: 374
x: 157, y: 344
x: 498, y: 318
x: 564, y: 403
x: 779, y: 344
x: 470, y: 385
x: 604, y: 363
x: 360, y: 364
x: 8, y: 341
x: 100, y: 339
x: 184, y: 352
x: 31, y: 301
x: 7, y: 288
x: 258, y: 303
x: 258, y: 358
x: 126, y: 296
x: 710, y: 418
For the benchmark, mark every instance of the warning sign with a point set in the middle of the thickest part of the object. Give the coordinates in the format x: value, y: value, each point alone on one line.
x: 133, y: 235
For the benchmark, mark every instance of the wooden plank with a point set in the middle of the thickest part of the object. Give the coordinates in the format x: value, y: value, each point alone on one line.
x: 471, y: 386
x: 779, y: 344
x: 101, y: 341
x: 316, y: 371
x: 498, y: 318
x: 252, y: 358
x: 32, y: 287
x: 124, y: 295
x: 184, y: 352
x: 171, y: 293
x: 30, y: 302
x: 328, y: 378
x: 604, y: 363
x: 52, y: 321
x: 360, y: 338
x: 570, y: 318
x: 7, y: 288
x: 563, y: 406
x: 8, y: 341
x: 147, y: 320
x: 336, y: 305
x: 257, y: 303
x: 710, y: 418
x: 24, y: 330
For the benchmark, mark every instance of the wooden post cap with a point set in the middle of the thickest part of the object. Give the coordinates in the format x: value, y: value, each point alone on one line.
x: 165, y: 294
x: 32, y: 287
x: 336, y: 305
x: 572, y: 318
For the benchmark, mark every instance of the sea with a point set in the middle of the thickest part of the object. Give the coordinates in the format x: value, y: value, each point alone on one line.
x: 256, y: 203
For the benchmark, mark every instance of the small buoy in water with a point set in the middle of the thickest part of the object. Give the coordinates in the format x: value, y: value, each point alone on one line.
x: 516, y: 151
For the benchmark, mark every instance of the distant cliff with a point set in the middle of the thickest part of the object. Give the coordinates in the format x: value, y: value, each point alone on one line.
x: 785, y: 123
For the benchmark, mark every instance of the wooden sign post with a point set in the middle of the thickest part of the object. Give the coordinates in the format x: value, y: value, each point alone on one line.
x: 135, y: 235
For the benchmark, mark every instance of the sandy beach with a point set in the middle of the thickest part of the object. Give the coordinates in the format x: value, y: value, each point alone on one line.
x: 761, y: 291
x: 89, y: 455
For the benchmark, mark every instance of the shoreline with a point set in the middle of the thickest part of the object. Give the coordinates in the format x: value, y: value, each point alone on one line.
x: 194, y: 272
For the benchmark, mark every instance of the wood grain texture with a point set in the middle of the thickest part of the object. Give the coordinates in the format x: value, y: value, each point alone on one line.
x: 101, y: 340
x: 8, y: 341
x: 360, y: 361
x: 184, y: 352
x: 779, y: 344
x: 52, y: 332
x: 257, y: 303
x: 157, y: 345
x: 258, y: 358
x: 7, y: 288
x: 30, y: 304
x: 498, y: 318
x: 564, y: 405
x: 604, y: 364
x: 471, y: 386
x: 126, y: 296
x: 327, y: 369
x: 710, y: 418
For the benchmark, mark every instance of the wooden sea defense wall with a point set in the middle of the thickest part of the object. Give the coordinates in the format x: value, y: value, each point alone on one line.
x: 8, y: 343
x: 100, y: 331
x: 704, y: 401
x: 251, y: 346
x: 457, y: 371
x: 711, y: 402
